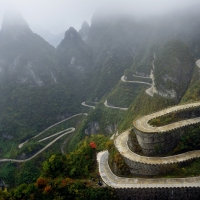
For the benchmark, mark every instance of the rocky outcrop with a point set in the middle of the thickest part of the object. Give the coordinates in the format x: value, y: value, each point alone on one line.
x: 110, y: 129
x: 172, y: 69
x: 73, y: 54
x: 92, y: 128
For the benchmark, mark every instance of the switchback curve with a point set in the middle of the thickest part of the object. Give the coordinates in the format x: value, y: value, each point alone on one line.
x: 21, y: 145
x: 141, y: 82
x: 84, y: 104
x: 121, y: 182
x: 122, y: 147
x: 198, y: 63
x: 40, y: 151
x: 60, y: 133
x: 119, y: 108
x: 142, y: 125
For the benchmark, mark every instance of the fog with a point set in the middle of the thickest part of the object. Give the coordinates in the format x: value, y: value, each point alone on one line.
x: 58, y: 15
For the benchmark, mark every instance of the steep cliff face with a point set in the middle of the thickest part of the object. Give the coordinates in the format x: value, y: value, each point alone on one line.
x: 124, y: 42
x: 120, y: 42
x: 173, y: 69
x: 75, y: 60
x: 34, y: 90
x: 94, y: 128
x: 25, y: 58
x: 114, y: 43
x: 73, y: 53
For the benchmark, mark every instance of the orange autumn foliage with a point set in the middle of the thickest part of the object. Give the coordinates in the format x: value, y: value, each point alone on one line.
x: 41, y: 182
x: 47, y: 189
x: 93, y: 145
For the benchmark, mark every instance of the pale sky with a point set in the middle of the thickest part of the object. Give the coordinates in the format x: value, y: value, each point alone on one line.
x: 58, y: 15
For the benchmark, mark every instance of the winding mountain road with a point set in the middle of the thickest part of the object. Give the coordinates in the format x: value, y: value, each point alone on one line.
x: 142, y: 76
x: 142, y: 125
x: 119, y: 108
x: 40, y: 151
x: 21, y: 145
x: 149, y: 91
x: 60, y: 133
x: 198, y: 63
x: 84, y: 104
x: 122, y: 147
x: 123, y: 79
x: 54, y: 135
x: 121, y: 182
x: 137, y: 82
x: 141, y: 82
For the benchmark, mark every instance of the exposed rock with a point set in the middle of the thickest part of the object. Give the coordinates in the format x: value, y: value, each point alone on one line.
x: 23, y: 156
x: 141, y: 74
x: 111, y: 128
x: 93, y: 128
x: 173, y: 69
x: 8, y: 137
x: 74, y: 55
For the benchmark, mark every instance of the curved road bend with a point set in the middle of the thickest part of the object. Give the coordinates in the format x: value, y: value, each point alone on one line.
x: 59, y: 123
x: 149, y: 91
x: 120, y: 182
x: 46, y: 138
x: 84, y: 104
x: 123, y: 79
x: 25, y: 160
x: 198, y: 63
x: 21, y: 145
x: 106, y: 104
x: 142, y: 124
x: 142, y: 76
x: 122, y: 147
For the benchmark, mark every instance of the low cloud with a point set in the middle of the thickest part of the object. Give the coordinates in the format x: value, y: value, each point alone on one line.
x: 59, y: 15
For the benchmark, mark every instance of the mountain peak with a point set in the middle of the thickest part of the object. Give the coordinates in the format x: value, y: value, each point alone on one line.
x: 13, y: 22
x: 72, y: 34
x: 84, y: 31
x: 85, y: 25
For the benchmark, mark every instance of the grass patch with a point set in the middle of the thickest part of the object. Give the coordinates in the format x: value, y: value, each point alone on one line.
x: 187, y: 170
x: 175, y: 117
x: 124, y: 94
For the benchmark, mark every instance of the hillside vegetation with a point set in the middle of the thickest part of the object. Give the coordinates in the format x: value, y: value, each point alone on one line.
x: 124, y: 94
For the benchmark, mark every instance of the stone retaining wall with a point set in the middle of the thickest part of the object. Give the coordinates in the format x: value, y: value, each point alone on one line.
x: 156, y: 143
x: 159, y: 143
x: 137, y: 168
x: 187, y: 193
x: 143, y: 165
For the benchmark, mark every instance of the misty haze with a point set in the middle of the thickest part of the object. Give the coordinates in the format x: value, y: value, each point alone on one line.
x: 100, y: 99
